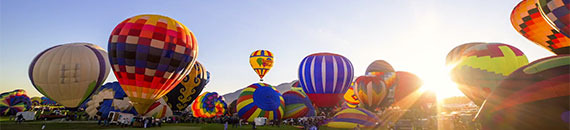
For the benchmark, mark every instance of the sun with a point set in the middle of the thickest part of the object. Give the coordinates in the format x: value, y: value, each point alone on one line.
x: 440, y: 83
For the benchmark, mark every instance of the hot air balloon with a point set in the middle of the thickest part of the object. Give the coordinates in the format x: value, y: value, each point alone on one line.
x: 109, y: 98
x: 150, y: 55
x: 69, y: 73
x: 261, y: 61
x: 47, y: 101
x: 159, y: 109
x: 454, y: 56
x: 528, y: 21
x: 386, y: 73
x: 535, y: 96
x: 557, y: 13
x: 353, y: 117
x: 325, y: 77
x: 408, y: 83
x: 191, y: 86
x: 208, y: 105
x: 370, y: 90
x: 350, y: 98
x: 14, y: 101
x: 260, y: 100
x: 296, y: 84
x: 297, y: 104
x: 483, y: 66
x: 36, y: 101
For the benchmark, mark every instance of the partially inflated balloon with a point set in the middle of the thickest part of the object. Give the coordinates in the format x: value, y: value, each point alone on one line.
x: 528, y: 21
x: 189, y: 88
x: 370, y: 90
x: 297, y: 104
x: 159, y: 109
x: 354, y: 117
x: 557, y: 13
x: 408, y: 83
x: 483, y: 66
x: 69, y: 73
x: 150, y: 55
x: 296, y: 84
x: 386, y: 73
x: 350, y: 98
x: 14, y: 101
x: 36, y: 101
x: 233, y: 107
x: 260, y: 100
x: 208, y: 105
x: 536, y: 96
x: 109, y: 98
x: 49, y: 102
x: 325, y: 77
x: 261, y: 61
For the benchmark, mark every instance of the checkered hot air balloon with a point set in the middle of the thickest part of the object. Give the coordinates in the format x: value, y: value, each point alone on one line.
x: 528, y: 21
x: 325, y: 77
x: 557, y: 13
x: 150, y: 55
x: 261, y: 61
x: 482, y: 67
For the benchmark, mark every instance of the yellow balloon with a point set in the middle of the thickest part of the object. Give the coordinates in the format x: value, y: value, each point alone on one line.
x: 261, y: 61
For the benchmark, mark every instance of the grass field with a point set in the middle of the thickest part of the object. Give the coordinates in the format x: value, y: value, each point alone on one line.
x: 87, y: 126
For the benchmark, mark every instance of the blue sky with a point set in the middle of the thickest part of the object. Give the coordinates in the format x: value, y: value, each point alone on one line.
x: 413, y: 36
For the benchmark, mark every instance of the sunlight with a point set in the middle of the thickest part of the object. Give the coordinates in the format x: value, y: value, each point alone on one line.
x: 440, y: 83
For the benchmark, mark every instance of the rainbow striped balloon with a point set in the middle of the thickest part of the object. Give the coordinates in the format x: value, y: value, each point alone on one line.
x: 208, y: 105
x: 297, y: 104
x: 260, y: 100
x: 325, y: 77
x: 351, y: 117
x: 14, y: 102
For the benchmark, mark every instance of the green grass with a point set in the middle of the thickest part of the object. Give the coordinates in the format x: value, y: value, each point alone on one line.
x: 89, y: 126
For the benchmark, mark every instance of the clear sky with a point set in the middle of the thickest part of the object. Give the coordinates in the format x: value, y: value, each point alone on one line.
x: 413, y: 36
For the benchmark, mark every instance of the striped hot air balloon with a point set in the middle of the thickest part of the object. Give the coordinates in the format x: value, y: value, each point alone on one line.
x: 14, y: 101
x: 297, y: 104
x: 325, y: 77
x: 353, y: 117
x: 208, y: 105
x: 535, y: 96
x: 261, y: 61
x: 371, y: 91
x: 260, y: 100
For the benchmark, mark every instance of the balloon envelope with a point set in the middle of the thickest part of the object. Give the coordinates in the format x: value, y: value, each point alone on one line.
x: 350, y: 98
x: 325, y: 77
x: 188, y: 89
x: 159, y: 109
x: 483, y: 66
x: 557, y: 13
x: 297, y: 104
x: 36, y: 101
x: 370, y: 90
x: 528, y: 21
x: 109, y: 98
x: 208, y: 105
x: 353, y: 117
x: 260, y: 100
x: 536, y: 96
x: 408, y: 83
x: 150, y: 55
x: 379, y: 66
x: 14, y: 101
x: 261, y: 61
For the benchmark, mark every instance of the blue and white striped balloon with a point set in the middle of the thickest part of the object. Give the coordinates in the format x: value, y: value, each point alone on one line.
x: 325, y: 77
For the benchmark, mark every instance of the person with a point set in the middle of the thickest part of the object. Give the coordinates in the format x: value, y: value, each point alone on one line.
x: 107, y: 121
x: 20, y: 118
x: 357, y: 127
x: 145, y: 122
x: 253, y: 124
x: 226, y: 125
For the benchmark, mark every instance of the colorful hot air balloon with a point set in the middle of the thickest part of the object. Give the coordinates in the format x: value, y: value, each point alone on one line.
x: 353, y: 117
x: 528, y: 21
x: 386, y: 73
x: 350, y: 97
x: 408, y: 83
x: 208, y: 105
x: 483, y: 66
x: 159, y: 109
x: 36, y: 101
x: 296, y: 84
x: 297, y: 104
x: 14, y: 101
x: 260, y: 100
x: 261, y: 61
x: 69, y: 73
x: 325, y: 77
x: 109, y: 98
x: 557, y: 13
x: 47, y: 101
x: 535, y: 96
x: 370, y: 90
x: 150, y: 55
x: 191, y: 86
x: 454, y: 56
